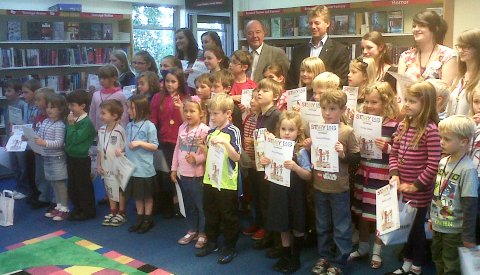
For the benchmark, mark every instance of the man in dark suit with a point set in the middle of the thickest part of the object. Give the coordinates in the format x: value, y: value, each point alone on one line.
x: 334, y: 55
x: 263, y: 54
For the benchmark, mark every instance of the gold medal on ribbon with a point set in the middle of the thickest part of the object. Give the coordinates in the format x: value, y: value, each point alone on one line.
x: 172, y: 121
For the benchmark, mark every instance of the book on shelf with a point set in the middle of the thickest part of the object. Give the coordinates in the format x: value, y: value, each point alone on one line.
x: 33, y: 30
x: 379, y: 21
x: 341, y: 24
x: 73, y: 31
x: 266, y: 25
x: 79, y: 55
x: 303, y: 26
x: 46, y: 32
x: 331, y: 28
x: 107, y: 31
x: 14, y: 30
x: 395, y: 21
x: 288, y: 26
x: 351, y: 23
x: 359, y: 21
x: 85, y: 31
x: 438, y: 10
x: 58, y: 30
x: 96, y: 31
x: 276, y: 26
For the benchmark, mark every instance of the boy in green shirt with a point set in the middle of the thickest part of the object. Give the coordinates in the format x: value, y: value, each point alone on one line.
x: 80, y: 136
x: 220, y: 180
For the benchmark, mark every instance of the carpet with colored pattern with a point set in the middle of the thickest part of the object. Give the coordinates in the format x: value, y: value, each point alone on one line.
x: 60, y: 253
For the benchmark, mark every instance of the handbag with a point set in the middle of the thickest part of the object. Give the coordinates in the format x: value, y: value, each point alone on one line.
x: 407, y: 216
x: 6, y: 208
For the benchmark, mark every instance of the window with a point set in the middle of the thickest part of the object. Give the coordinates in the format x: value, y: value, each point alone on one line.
x: 217, y: 24
x: 154, y: 30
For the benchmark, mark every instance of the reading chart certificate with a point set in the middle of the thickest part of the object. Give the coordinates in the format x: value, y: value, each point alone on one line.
x: 388, y: 216
x: 310, y: 111
x: 367, y: 128
x: 259, y: 146
x: 278, y: 151
x: 295, y: 96
x: 324, y: 156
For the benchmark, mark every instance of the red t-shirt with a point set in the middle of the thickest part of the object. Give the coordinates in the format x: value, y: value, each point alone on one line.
x: 238, y: 87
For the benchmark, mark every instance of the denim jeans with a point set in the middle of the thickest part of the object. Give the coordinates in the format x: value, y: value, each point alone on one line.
x: 192, y: 191
x: 18, y: 163
x: 334, y: 226
x: 43, y: 185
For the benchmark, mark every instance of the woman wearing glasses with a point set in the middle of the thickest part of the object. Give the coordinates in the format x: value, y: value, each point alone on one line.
x: 143, y: 61
x: 429, y: 58
x: 468, y: 47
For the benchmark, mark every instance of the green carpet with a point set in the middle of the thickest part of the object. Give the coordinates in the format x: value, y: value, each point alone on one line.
x: 61, y: 253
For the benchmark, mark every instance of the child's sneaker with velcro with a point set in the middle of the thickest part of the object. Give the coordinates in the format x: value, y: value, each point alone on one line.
x: 118, y: 220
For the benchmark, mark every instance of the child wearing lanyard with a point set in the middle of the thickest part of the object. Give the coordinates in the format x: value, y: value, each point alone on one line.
x: 141, y: 143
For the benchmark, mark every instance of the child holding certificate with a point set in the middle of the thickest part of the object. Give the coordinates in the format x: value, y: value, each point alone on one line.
x: 141, y: 142
x: 220, y: 187
x: 453, y: 210
x: 331, y: 191
x: 286, y: 209
x: 373, y: 173
x: 188, y: 167
x: 111, y: 137
x: 413, y: 165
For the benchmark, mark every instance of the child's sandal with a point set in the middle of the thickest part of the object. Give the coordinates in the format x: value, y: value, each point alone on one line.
x: 187, y: 238
x: 355, y: 255
x: 202, y: 240
x: 376, y: 261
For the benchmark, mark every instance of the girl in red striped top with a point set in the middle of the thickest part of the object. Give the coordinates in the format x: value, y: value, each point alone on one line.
x: 414, y: 162
x: 373, y: 174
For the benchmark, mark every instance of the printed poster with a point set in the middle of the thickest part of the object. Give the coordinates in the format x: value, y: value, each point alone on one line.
x: 15, y: 115
x: 367, y: 128
x: 198, y: 68
x: 215, y: 157
x: 388, y: 216
x: 403, y: 81
x: 246, y: 97
x: 31, y: 135
x: 324, y: 156
x: 352, y: 95
x: 259, y: 146
x: 128, y: 91
x: 123, y: 170
x: 278, y: 151
x: 310, y: 111
x: 295, y: 96
x: 15, y: 142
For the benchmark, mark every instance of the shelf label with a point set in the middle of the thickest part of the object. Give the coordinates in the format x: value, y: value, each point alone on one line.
x: 28, y: 12
x: 101, y: 15
x: 260, y: 12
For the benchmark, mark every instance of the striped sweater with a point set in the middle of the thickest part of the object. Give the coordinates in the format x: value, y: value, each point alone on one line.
x: 53, y: 132
x: 419, y: 166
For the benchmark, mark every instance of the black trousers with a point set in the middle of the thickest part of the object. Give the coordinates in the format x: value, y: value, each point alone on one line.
x: 260, y: 190
x: 221, y: 211
x: 34, y: 193
x: 80, y: 186
x: 163, y: 199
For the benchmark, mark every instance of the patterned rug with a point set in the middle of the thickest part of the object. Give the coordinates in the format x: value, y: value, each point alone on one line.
x: 60, y: 253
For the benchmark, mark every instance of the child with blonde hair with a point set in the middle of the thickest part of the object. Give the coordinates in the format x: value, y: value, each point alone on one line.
x: 443, y: 94
x: 373, y: 174
x: 453, y: 209
x: 309, y: 69
x: 361, y: 74
x: 323, y: 82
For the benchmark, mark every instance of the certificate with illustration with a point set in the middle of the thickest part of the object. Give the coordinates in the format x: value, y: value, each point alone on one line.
x: 215, y: 159
x: 259, y: 146
x: 367, y: 128
x: 388, y: 217
x: 324, y: 156
x: 295, y: 96
x: 278, y: 151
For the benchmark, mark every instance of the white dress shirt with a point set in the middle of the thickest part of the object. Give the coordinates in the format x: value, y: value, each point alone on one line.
x: 316, y: 49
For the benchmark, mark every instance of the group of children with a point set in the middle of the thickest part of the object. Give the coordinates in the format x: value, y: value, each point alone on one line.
x: 195, y: 132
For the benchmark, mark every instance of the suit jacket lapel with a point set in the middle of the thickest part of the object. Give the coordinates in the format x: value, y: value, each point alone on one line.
x: 262, y: 59
x: 324, y: 54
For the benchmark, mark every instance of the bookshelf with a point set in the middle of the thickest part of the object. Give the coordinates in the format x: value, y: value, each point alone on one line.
x: 287, y: 27
x: 60, y: 48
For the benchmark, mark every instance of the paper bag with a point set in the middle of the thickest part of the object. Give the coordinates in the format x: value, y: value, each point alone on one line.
x: 6, y: 208
x: 407, y: 216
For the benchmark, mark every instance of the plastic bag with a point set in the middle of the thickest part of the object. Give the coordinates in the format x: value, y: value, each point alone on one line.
x: 407, y: 216
x: 6, y: 208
